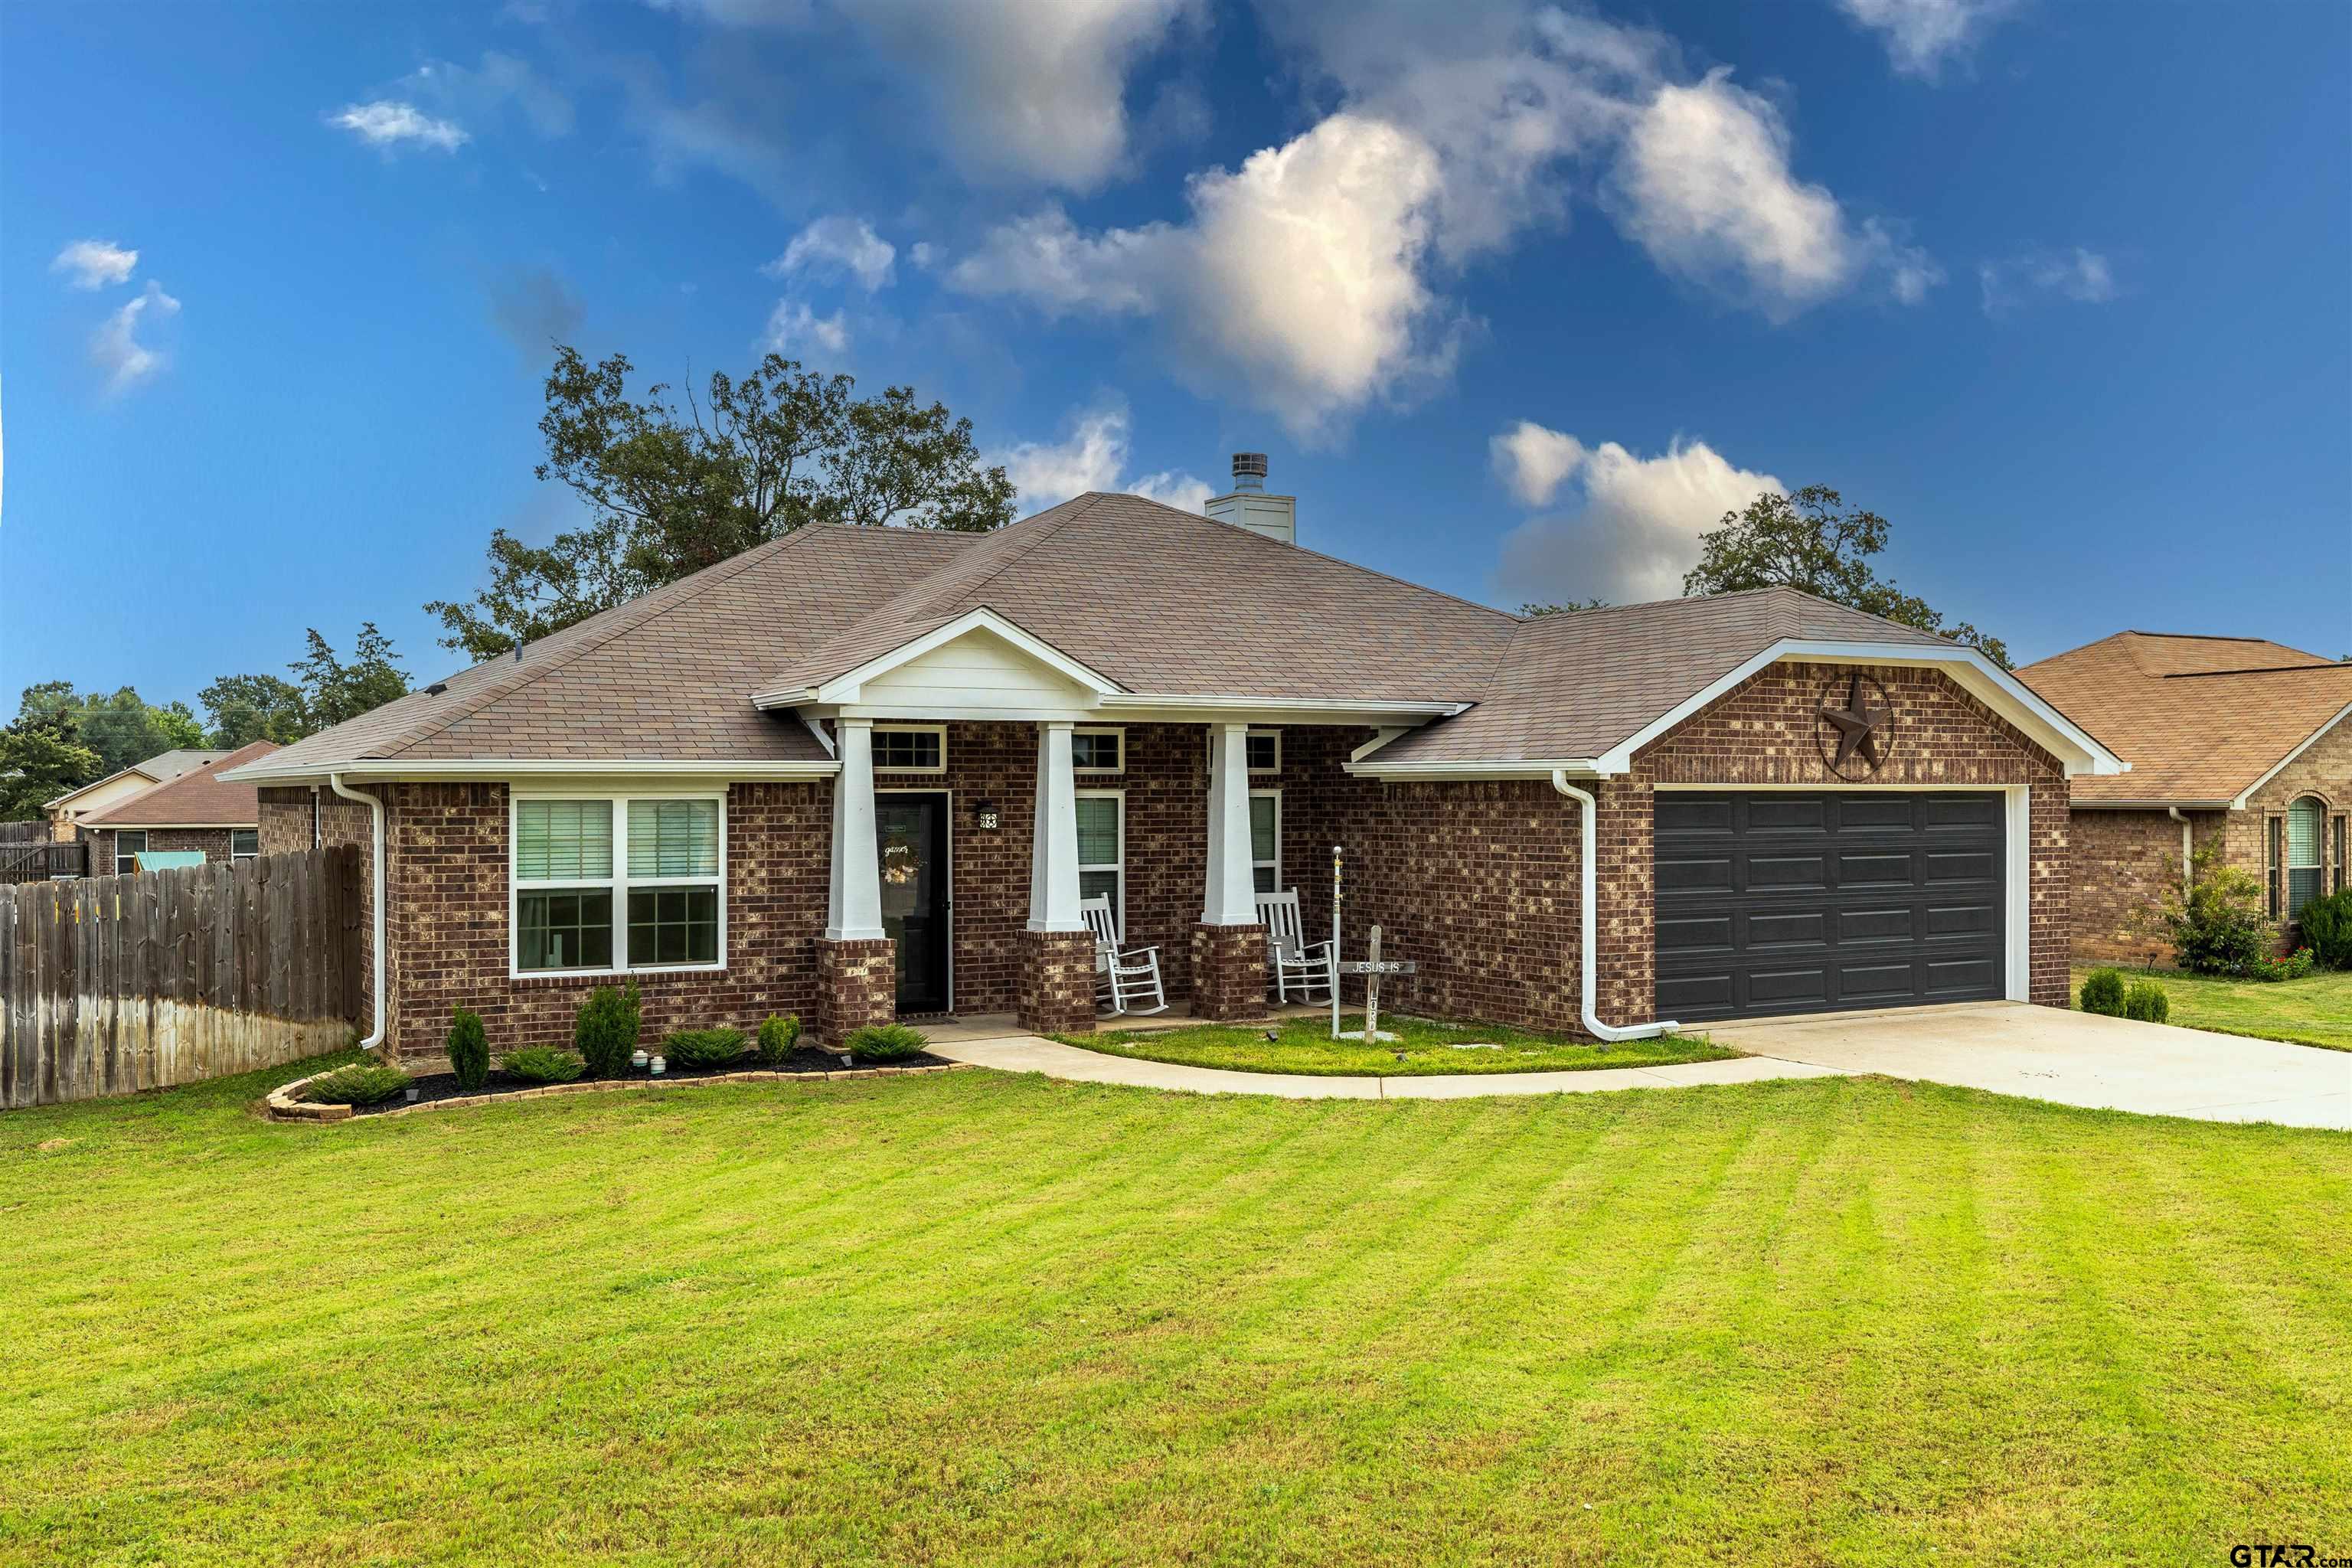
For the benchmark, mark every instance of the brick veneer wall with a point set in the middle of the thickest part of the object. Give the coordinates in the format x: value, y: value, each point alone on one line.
x: 1228, y: 967
x: 2124, y: 862
x: 1058, y: 982
x: 857, y: 985
x: 2325, y: 770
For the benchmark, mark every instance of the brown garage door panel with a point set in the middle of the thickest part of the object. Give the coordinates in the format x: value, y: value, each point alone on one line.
x: 1798, y: 902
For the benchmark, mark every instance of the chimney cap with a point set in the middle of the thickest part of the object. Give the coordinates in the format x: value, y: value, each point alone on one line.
x: 1249, y: 463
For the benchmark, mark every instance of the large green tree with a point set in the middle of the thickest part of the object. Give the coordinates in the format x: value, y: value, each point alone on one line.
x: 670, y: 490
x: 333, y: 690
x: 249, y: 707
x: 42, y: 757
x: 1812, y: 540
x: 118, y: 727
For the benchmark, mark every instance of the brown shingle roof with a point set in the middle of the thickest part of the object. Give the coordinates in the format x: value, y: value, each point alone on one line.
x: 1574, y: 685
x: 199, y: 797
x: 2200, y: 719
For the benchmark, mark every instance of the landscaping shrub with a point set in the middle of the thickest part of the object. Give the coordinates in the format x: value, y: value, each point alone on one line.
x: 2327, y: 925
x: 2103, y: 991
x: 703, y: 1047
x: 364, y: 1083
x: 469, y: 1050
x: 2217, y: 927
x: 2147, y: 1002
x: 607, y: 1028
x: 2294, y: 966
x: 544, y: 1064
x: 885, y: 1042
x: 777, y: 1038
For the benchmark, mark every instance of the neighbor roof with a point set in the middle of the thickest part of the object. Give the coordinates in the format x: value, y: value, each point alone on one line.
x: 2201, y: 720
x: 1156, y: 602
x: 199, y: 797
x: 163, y: 765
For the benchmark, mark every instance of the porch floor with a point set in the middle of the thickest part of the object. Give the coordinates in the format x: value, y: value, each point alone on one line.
x: 965, y: 1027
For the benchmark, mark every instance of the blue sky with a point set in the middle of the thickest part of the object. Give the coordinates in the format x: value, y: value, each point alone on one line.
x: 1516, y: 297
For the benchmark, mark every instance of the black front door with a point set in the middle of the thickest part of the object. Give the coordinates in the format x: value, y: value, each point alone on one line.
x: 912, y: 834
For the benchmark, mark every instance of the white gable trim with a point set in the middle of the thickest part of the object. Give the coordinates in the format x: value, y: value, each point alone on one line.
x: 2280, y: 766
x: 847, y: 687
x: 1971, y: 671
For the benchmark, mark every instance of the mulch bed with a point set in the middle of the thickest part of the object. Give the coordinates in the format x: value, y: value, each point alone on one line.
x: 431, y: 1086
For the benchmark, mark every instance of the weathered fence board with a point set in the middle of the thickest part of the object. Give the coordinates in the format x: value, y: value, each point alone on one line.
x: 115, y: 984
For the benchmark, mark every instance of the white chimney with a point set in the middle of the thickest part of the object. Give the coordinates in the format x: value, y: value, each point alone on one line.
x: 1247, y: 505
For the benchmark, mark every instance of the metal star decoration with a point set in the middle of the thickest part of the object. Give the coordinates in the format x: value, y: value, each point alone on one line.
x: 1861, y: 726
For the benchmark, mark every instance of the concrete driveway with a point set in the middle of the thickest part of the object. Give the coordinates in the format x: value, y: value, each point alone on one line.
x: 2075, y: 1058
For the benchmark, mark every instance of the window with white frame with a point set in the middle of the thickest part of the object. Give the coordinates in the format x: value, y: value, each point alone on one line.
x: 1264, y: 748
x: 1266, y: 839
x: 127, y: 848
x: 615, y: 883
x: 244, y: 843
x: 2305, y: 876
x: 1098, y: 751
x: 910, y: 748
x: 1102, y: 848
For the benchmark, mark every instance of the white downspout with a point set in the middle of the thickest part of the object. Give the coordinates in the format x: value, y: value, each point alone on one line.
x: 2186, y: 880
x: 375, y: 818
x: 1589, y: 923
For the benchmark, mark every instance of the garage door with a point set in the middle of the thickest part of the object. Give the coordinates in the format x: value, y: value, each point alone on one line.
x: 1784, y: 901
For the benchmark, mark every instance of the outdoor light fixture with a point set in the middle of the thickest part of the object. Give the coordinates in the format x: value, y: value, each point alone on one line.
x: 985, y: 812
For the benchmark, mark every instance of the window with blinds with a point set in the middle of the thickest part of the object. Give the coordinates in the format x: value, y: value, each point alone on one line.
x: 1266, y: 839
x: 616, y: 884
x: 1102, y: 871
x: 2305, y: 876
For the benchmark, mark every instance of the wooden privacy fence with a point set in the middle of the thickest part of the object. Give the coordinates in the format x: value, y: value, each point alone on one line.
x: 115, y: 984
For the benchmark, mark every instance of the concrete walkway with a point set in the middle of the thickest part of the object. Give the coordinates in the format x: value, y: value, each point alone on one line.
x: 2074, y: 1058
x: 998, y: 1043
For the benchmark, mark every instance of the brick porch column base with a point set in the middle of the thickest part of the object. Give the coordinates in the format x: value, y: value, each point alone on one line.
x: 857, y: 985
x: 1058, y: 982
x: 1228, y: 972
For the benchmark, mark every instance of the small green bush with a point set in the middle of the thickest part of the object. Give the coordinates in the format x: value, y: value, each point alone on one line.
x: 364, y: 1083
x: 543, y: 1064
x: 469, y: 1050
x: 606, y: 1030
x: 2294, y: 966
x: 2326, y: 927
x: 2103, y: 991
x: 885, y: 1042
x: 2147, y: 1002
x: 778, y: 1037
x: 703, y: 1047
x: 2217, y: 925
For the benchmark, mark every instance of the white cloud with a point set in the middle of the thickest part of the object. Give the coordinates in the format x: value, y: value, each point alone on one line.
x: 795, y: 330
x: 1921, y: 35
x: 116, y: 349
x: 1092, y: 458
x: 486, y: 89
x: 387, y: 123
x: 923, y: 254
x: 1705, y: 188
x: 1316, y: 278
x: 837, y: 245
x: 95, y: 263
x: 2083, y: 277
x: 1635, y: 528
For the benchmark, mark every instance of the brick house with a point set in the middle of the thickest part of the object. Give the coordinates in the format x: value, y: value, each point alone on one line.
x: 2234, y: 741
x: 195, y: 810
x: 861, y: 772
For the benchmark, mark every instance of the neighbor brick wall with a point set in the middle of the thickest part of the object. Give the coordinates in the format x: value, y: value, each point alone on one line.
x: 212, y: 841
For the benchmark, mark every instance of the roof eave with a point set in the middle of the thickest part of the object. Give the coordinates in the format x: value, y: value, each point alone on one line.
x: 495, y: 769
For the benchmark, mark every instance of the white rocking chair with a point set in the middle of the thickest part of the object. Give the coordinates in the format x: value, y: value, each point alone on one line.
x: 1126, y: 979
x: 1290, y: 962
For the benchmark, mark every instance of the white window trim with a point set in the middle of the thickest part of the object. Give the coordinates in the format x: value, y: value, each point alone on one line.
x: 1275, y: 863
x: 233, y: 855
x: 939, y: 729
x: 618, y: 883
x: 1114, y: 730
x: 2318, y: 866
x: 1277, y: 736
x: 119, y: 835
x: 1118, y: 900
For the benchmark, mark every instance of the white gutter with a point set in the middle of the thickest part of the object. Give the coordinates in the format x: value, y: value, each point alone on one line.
x: 2174, y: 813
x: 1589, y: 921
x: 380, y: 895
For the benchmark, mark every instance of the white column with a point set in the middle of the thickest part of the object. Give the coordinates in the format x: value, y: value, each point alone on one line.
x: 1054, y: 847
x: 1231, y: 899
x: 853, y: 911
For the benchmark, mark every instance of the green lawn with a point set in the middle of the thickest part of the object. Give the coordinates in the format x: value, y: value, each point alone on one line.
x: 1304, y: 1045
x: 2313, y: 1011
x: 976, y: 1317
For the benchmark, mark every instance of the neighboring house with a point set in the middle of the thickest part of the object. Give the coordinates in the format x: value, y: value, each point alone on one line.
x: 68, y: 811
x: 857, y: 773
x: 2233, y: 742
x: 198, y: 810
